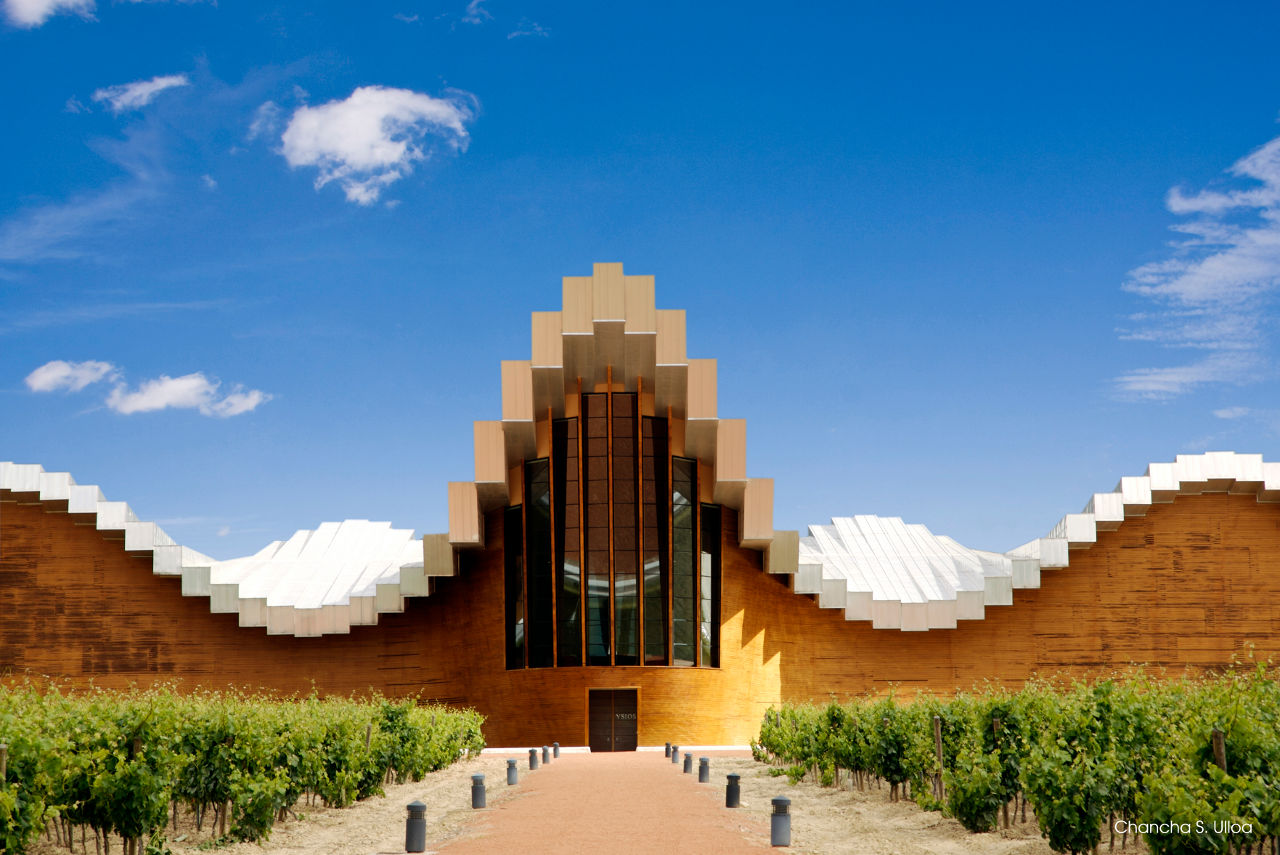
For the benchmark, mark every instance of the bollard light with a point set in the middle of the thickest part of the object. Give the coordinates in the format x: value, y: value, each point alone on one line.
x: 675, y: 753
x: 533, y: 758
x: 688, y: 763
x: 704, y: 770
x: 666, y: 752
x: 733, y: 792
x: 546, y: 754
x: 513, y: 776
x: 477, y: 791
x: 415, y: 828
x: 555, y: 749
x: 780, y: 822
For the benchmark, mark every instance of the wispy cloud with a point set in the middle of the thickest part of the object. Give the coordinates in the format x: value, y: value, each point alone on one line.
x: 476, y: 13
x: 1232, y: 412
x: 93, y: 312
x: 193, y: 391
x: 1213, y: 293
x: 88, y: 223
x: 266, y: 120
x: 140, y: 93
x: 373, y: 138
x: 1171, y: 381
x: 54, y: 231
x: 68, y: 376
x: 407, y: 19
x: 528, y: 28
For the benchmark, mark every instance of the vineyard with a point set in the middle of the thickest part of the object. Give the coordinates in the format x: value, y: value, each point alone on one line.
x: 84, y: 768
x: 1190, y: 766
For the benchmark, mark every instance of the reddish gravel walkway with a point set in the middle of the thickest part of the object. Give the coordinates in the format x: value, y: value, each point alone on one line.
x: 625, y: 802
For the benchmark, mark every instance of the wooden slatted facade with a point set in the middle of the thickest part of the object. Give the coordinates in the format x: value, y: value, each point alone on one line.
x: 1191, y: 585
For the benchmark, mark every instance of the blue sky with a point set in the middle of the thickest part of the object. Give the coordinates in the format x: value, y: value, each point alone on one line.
x: 259, y: 262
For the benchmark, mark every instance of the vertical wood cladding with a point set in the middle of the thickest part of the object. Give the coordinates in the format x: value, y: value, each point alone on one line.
x: 1190, y: 585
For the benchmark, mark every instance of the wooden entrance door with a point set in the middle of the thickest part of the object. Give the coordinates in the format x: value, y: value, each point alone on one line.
x: 612, y: 719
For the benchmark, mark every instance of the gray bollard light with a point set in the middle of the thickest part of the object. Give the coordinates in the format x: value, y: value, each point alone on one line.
x: 733, y: 792
x: 513, y: 775
x: 688, y: 763
x: 546, y: 754
x: 415, y: 828
x: 675, y: 753
x: 666, y: 752
x: 555, y: 749
x: 780, y: 822
x: 533, y: 758
x: 477, y: 791
x: 704, y: 770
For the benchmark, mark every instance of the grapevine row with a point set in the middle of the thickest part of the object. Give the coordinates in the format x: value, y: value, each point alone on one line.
x: 1192, y: 765
x: 121, y: 763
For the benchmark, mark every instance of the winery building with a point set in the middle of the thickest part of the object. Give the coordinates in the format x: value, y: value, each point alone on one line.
x: 612, y: 576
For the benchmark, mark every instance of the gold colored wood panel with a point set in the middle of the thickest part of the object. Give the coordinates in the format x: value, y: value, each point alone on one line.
x: 1192, y: 584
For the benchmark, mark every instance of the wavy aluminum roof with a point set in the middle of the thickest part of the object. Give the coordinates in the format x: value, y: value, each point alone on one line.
x: 901, y: 576
x: 894, y: 574
x: 317, y: 582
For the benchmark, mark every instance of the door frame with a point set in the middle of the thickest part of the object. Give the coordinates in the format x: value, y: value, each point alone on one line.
x: 586, y: 709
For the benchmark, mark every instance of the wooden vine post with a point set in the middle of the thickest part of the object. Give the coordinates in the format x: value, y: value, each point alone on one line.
x: 4, y: 762
x: 995, y: 726
x: 939, y: 791
x: 1219, y: 741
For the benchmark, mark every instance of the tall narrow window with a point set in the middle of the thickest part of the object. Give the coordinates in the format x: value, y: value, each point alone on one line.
x: 539, y: 585
x: 655, y: 514
x: 684, y: 581
x: 709, y: 588
x: 513, y: 537
x: 626, y: 530
x: 564, y: 456
x: 595, y: 467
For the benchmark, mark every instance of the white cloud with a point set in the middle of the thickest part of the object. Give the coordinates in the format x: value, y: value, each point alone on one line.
x: 236, y: 402
x: 407, y: 19
x: 476, y: 13
x: 373, y: 138
x: 32, y: 13
x: 140, y: 93
x: 209, y: 182
x: 188, y: 392
x: 224, y: 530
x: 1232, y: 412
x: 1214, y: 291
x: 68, y: 376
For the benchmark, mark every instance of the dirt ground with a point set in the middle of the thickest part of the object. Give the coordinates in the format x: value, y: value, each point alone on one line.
x: 824, y: 820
